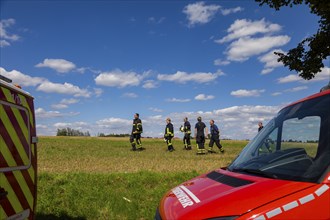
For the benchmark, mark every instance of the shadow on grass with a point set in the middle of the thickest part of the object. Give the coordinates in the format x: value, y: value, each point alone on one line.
x: 63, y: 216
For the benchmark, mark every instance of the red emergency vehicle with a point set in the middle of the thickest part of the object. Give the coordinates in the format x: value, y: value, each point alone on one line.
x: 18, y: 153
x: 283, y: 173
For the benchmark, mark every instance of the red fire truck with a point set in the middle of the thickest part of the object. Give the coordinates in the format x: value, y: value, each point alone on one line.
x: 18, y: 153
x: 283, y: 173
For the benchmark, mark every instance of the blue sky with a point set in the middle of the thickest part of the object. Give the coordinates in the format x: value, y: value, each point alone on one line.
x: 92, y: 64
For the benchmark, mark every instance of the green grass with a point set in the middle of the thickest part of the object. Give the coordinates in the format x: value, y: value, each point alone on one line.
x: 100, y: 178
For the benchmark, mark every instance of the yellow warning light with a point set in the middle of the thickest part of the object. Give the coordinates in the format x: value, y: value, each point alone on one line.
x: 18, y: 86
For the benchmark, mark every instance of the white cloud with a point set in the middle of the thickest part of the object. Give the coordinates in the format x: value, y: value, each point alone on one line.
x: 4, y: 43
x: 150, y: 84
x: 79, y: 125
x: 62, y: 125
x: 199, y: 13
x: 120, y: 79
x: 98, y: 92
x: 114, y: 125
x: 231, y: 10
x: 321, y: 76
x: 6, y: 37
x: 277, y: 93
x: 266, y: 71
x: 82, y: 69
x: 66, y: 88
x: 64, y: 103
x: 130, y: 95
x: 20, y: 78
x: 43, y: 114
x: 154, y: 20
x: 246, y: 47
x: 227, y: 120
x: 270, y: 60
x: 69, y: 101
x: 246, y: 42
x: 296, y: 89
x: 155, y: 109
x: 183, y: 77
x: 324, y: 75
x: 289, y: 78
x: 203, y: 97
x: 220, y: 62
x: 244, y: 28
x: 247, y: 93
x: 60, y: 65
x: 59, y: 106
x: 177, y: 100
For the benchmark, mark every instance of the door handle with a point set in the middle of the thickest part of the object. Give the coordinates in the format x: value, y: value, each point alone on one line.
x: 3, y: 193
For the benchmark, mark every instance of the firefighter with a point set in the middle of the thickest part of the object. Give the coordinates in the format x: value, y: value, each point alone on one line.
x: 135, y: 137
x: 260, y: 126
x: 214, y: 137
x: 200, y: 135
x: 186, y: 128
x: 169, y: 134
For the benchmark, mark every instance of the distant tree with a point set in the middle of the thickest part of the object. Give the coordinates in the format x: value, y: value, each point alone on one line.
x: 113, y: 135
x: 71, y: 132
x: 87, y: 134
x: 307, y: 58
x: 62, y: 132
x: 101, y: 135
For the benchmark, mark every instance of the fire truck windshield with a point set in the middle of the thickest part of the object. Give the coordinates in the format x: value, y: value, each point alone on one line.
x: 295, y: 145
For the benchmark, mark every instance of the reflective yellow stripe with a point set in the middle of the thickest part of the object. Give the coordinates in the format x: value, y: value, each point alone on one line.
x: 168, y: 131
x: 8, y: 95
x: 32, y: 173
x: 2, y: 212
x: 21, y: 123
x: 26, y: 105
x: 18, y: 175
x: 24, y: 121
x: 26, y: 191
x: 14, y: 137
x: 7, y: 154
x: 12, y: 196
x: 10, y: 160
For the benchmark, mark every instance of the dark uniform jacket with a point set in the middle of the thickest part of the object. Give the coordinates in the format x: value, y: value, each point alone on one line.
x: 187, y: 127
x: 200, y: 128
x: 214, y: 130
x: 137, y: 126
x: 169, y: 130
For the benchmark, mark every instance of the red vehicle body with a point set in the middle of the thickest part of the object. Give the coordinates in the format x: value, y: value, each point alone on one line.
x: 283, y: 173
x: 18, y: 153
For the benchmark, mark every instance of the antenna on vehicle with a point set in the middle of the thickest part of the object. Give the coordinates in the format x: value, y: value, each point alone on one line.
x: 5, y: 79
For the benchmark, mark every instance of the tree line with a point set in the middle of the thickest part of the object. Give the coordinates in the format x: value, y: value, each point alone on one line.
x: 71, y: 132
x: 74, y: 132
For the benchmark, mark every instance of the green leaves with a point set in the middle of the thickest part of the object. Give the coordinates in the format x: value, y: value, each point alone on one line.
x: 307, y: 58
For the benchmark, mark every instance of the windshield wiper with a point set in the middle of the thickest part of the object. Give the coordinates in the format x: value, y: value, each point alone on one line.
x: 256, y: 172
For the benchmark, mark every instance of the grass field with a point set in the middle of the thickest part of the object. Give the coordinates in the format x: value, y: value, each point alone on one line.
x: 100, y: 178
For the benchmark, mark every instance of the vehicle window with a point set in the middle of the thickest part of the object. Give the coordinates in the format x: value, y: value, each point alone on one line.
x: 302, y: 133
x: 269, y: 143
x: 293, y: 146
x: 14, y: 137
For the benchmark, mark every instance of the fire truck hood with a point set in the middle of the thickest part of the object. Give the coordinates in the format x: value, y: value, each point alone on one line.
x: 223, y: 193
